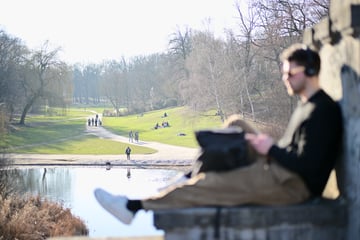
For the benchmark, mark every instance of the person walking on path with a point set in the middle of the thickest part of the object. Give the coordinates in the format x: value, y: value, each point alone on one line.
x: 291, y: 171
x: 131, y: 135
x: 137, y: 136
x: 127, y: 152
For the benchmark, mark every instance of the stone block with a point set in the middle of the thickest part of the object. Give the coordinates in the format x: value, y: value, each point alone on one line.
x: 346, y: 19
x: 319, y: 219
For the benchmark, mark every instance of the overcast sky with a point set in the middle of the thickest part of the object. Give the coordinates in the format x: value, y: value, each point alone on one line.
x: 94, y: 30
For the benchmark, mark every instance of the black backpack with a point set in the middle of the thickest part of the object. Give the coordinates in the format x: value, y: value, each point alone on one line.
x: 222, y: 150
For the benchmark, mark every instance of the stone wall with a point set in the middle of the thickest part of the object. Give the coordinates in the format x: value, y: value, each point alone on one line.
x: 322, y: 220
x: 338, y: 40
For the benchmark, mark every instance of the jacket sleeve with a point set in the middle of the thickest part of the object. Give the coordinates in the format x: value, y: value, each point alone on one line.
x: 316, y: 141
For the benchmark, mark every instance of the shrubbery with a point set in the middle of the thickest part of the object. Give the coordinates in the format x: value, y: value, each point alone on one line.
x: 32, y: 218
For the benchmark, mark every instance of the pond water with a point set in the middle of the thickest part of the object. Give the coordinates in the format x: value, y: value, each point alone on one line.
x: 74, y: 188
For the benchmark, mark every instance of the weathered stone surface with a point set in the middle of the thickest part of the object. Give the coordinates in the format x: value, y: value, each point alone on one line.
x: 109, y: 238
x: 313, y: 220
x: 341, y: 70
x: 345, y: 19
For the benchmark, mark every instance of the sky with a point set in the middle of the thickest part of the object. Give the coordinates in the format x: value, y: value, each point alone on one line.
x: 90, y: 31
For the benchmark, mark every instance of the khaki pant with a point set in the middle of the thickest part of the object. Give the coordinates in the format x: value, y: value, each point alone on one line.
x: 258, y: 183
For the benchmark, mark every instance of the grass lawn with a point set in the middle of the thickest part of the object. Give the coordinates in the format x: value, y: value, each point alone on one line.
x: 180, y: 119
x: 85, y: 145
x: 64, y: 132
x: 61, y: 133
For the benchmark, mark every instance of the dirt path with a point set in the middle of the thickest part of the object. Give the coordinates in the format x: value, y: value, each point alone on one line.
x: 166, y: 156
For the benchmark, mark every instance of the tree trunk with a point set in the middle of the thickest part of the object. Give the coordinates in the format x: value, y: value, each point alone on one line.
x: 249, y: 98
x: 27, y: 108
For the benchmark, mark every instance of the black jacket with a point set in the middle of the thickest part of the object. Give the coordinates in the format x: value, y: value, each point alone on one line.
x: 311, y: 142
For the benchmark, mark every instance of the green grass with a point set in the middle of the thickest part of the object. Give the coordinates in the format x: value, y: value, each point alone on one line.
x: 181, y: 120
x: 64, y: 132
x: 87, y: 145
x: 61, y: 134
x: 36, y: 132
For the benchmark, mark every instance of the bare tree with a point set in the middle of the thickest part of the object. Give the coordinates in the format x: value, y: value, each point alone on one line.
x: 114, y: 84
x: 180, y: 43
x: 36, y: 79
x: 180, y: 47
x: 206, y: 87
x: 243, y: 48
x: 262, y: 33
x: 78, y: 84
x: 295, y: 15
x: 60, y: 88
x: 12, y: 53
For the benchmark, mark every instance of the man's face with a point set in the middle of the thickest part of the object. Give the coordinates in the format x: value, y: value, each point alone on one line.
x: 293, y: 77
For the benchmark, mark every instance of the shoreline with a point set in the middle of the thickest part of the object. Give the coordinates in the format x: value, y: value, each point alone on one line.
x: 166, y: 157
x: 102, y: 161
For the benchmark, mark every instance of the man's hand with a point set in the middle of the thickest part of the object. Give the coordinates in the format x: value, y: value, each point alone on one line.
x: 260, y: 142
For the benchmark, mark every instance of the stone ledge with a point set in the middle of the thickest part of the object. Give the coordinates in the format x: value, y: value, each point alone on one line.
x: 107, y: 238
x: 318, y: 219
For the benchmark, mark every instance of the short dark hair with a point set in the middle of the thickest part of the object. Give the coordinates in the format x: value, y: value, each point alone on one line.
x: 303, y: 56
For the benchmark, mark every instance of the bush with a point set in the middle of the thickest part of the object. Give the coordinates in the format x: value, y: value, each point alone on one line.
x: 6, y: 185
x: 32, y: 218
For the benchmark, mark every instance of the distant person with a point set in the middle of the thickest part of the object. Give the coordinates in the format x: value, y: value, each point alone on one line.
x: 291, y: 171
x: 108, y: 165
x: 96, y: 120
x: 131, y: 135
x: 136, y: 136
x: 127, y: 152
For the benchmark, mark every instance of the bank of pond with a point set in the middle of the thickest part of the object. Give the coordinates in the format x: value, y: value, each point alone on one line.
x: 72, y: 188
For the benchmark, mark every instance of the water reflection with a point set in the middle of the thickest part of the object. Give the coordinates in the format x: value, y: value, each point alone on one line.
x: 74, y: 187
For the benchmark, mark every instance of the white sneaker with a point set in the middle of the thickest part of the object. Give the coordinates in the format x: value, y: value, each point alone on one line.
x: 116, y: 205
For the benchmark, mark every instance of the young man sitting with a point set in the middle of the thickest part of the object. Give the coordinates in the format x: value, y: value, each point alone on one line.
x: 291, y: 171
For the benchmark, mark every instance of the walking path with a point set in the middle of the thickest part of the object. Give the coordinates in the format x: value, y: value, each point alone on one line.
x: 167, y: 156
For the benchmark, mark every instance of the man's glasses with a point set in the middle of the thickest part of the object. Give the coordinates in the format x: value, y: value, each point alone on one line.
x: 292, y: 72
